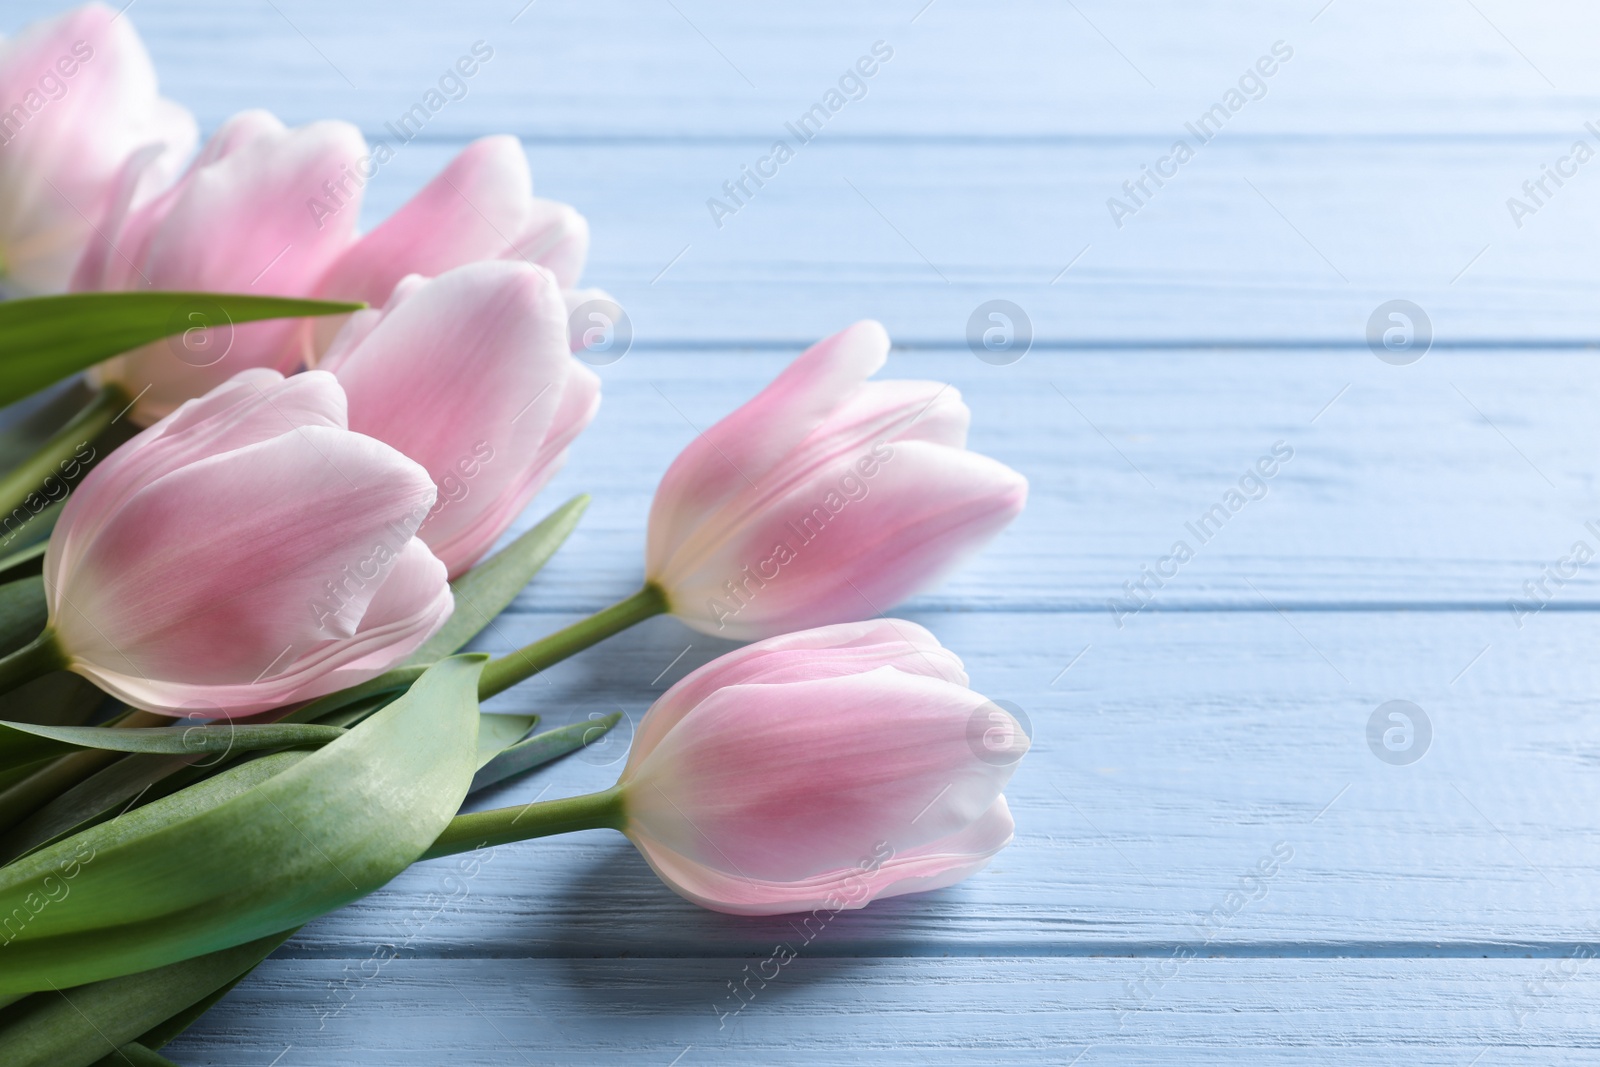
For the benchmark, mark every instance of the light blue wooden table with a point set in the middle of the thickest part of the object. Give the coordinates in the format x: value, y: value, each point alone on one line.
x: 1212, y: 864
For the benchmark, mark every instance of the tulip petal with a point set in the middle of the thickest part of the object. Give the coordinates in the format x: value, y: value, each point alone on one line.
x: 934, y: 865
x: 470, y: 211
x: 819, y: 555
x: 410, y: 607
x: 82, y: 97
x: 746, y: 448
x: 253, y: 406
x: 825, y: 652
x: 215, y: 574
x: 821, y: 773
x: 555, y: 237
x: 468, y: 376
x: 253, y: 213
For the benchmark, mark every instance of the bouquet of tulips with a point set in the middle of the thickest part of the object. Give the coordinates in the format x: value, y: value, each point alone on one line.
x: 244, y: 544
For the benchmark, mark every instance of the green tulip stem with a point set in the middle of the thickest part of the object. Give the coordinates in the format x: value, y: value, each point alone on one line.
x: 592, y: 811
x: 503, y: 673
x: 26, y: 479
x: 33, y: 660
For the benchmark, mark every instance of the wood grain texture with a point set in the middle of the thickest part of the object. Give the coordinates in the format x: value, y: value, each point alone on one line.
x: 1439, y: 912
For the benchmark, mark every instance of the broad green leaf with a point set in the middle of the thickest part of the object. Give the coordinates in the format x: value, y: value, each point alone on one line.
x: 498, y: 732
x: 320, y: 710
x: 262, y: 847
x: 22, y: 743
x: 60, y: 698
x: 542, y: 748
x: 539, y: 749
x: 23, y: 611
x: 107, y: 792
x: 133, y: 1054
x: 486, y: 590
x: 48, y: 338
x: 28, y: 561
x: 27, y: 425
x: 72, y: 1028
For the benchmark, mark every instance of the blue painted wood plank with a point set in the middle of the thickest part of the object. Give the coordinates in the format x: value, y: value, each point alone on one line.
x: 913, y: 1011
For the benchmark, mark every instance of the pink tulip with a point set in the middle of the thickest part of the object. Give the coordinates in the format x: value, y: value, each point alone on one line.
x: 470, y: 375
x: 479, y: 207
x: 825, y: 498
x: 821, y: 770
x: 240, y: 220
x: 77, y: 97
x: 245, y: 552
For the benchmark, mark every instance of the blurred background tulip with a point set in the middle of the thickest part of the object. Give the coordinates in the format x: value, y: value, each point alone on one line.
x: 481, y: 206
x: 470, y: 375
x: 78, y: 97
x: 825, y: 498
x: 263, y: 209
x: 243, y: 553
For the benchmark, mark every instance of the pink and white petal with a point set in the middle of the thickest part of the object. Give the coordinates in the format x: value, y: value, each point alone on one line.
x: 926, y: 508
x: 215, y: 574
x: 412, y: 604
x: 468, y: 544
x: 482, y: 351
x: 934, y: 865
x: 556, y: 237
x: 778, y: 781
x: 468, y: 212
x: 59, y: 168
x: 253, y: 406
x: 824, y: 652
x: 750, y: 445
x: 899, y: 410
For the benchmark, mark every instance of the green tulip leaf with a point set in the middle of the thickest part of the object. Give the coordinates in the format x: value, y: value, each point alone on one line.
x: 22, y: 743
x: 59, y: 698
x: 542, y: 748
x: 496, y: 733
x: 487, y: 589
x: 257, y: 849
x: 107, y: 792
x: 45, y: 339
x: 73, y: 1027
x: 23, y: 611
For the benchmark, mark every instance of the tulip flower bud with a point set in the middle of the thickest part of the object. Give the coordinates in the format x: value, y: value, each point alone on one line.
x: 263, y: 209
x: 821, y: 770
x: 245, y: 552
x: 479, y: 207
x: 78, y: 97
x: 826, y: 498
x: 470, y: 375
